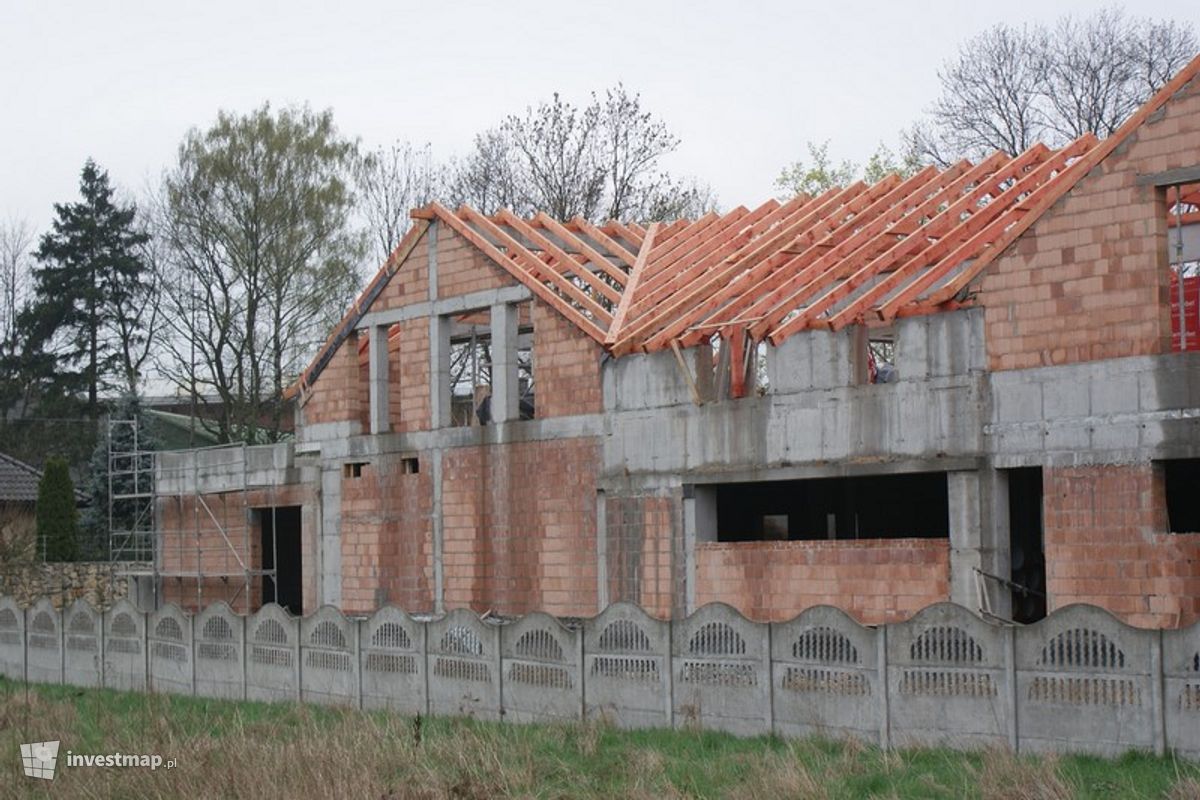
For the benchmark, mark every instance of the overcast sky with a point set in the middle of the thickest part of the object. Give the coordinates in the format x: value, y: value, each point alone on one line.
x: 744, y: 85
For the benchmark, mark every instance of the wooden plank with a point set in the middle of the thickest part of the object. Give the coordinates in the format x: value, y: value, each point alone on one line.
x: 563, y: 259
x: 700, y: 283
x: 507, y: 263
x: 687, y: 374
x: 614, y: 328
x: 842, y: 271
x: 936, y: 233
x: 766, y: 276
x: 612, y: 245
x: 1073, y: 175
x: 1017, y: 209
x: 593, y: 256
x: 746, y: 299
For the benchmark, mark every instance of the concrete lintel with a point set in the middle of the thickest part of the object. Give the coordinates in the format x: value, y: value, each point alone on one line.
x: 1170, y: 177
x: 536, y: 430
x: 837, y: 470
x: 448, y: 305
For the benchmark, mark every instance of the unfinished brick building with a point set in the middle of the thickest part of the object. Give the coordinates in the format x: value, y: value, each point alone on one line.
x: 879, y: 398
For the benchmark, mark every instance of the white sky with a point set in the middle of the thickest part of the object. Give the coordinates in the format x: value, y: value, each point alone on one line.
x: 744, y: 85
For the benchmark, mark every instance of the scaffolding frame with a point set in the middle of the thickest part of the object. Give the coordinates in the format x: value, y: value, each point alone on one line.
x: 215, y: 535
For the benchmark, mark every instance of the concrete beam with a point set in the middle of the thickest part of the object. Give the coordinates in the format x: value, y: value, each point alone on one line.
x: 504, y: 403
x: 439, y: 371
x: 448, y: 305
x: 377, y: 364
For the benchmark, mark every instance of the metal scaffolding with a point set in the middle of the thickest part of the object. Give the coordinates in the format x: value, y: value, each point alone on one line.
x: 185, y: 517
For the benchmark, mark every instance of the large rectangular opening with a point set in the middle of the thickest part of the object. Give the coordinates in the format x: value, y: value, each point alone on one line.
x: 1183, y: 249
x: 1026, y: 544
x: 1181, y: 476
x: 910, y: 505
x: 280, y: 527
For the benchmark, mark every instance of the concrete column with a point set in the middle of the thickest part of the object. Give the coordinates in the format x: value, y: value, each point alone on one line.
x: 377, y: 362
x: 439, y: 579
x: 329, y: 585
x: 439, y: 371
x: 979, y: 538
x: 504, y: 363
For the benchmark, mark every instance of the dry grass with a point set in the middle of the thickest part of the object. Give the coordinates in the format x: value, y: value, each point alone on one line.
x: 250, y: 750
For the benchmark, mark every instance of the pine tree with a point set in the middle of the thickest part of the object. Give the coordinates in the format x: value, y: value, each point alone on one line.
x: 57, y: 517
x: 90, y: 294
x: 131, y: 518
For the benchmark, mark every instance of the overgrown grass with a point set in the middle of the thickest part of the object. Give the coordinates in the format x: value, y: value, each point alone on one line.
x: 257, y: 750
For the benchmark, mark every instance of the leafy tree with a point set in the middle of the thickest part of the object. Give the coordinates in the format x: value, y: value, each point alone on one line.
x: 57, y: 517
x: 89, y: 323
x: 600, y: 162
x: 130, y: 527
x: 260, y: 259
x: 1010, y: 87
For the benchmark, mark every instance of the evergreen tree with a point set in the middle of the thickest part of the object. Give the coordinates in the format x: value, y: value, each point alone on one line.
x: 132, y: 522
x: 87, y: 323
x: 57, y: 517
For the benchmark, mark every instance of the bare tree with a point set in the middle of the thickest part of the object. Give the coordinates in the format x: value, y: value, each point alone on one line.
x: 392, y: 181
x: 16, y: 240
x: 1011, y: 87
x: 256, y: 214
x: 600, y: 161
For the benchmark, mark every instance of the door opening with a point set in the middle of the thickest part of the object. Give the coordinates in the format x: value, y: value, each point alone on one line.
x: 280, y: 528
x: 1026, y: 544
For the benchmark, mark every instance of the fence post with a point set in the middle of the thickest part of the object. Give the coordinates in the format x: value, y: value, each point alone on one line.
x: 1010, y: 668
x: 428, y: 667
x: 358, y: 676
x: 581, y: 661
x: 670, y: 662
x: 192, y: 647
x: 1158, y: 690
x: 885, y: 711
x: 769, y: 672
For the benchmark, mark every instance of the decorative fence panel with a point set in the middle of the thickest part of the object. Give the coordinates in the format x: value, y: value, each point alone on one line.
x: 170, y: 635
x: 1181, y: 700
x: 125, y: 647
x: 393, y: 662
x: 948, y: 679
x: 220, y: 653
x: 12, y: 639
x: 825, y: 676
x: 722, y: 671
x: 43, y: 637
x: 1087, y: 681
x: 627, y: 668
x: 541, y: 661
x: 328, y: 668
x: 1078, y: 681
x: 464, y: 666
x: 272, y: 655
x: 82, y: 658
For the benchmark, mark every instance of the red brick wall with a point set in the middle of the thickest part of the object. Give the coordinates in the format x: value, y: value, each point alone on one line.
x: 410, y: 284
x: 1106, y: 544
x: 337, y: 394
x: 644, y: 534
x: 408, y: 375
x: 462, y: 269
x: 877, y: 580
x: 192, y: 541
x: 566, y: 366
x: 519, y: 523
x: 387, y: 537
x: 1089, y: 280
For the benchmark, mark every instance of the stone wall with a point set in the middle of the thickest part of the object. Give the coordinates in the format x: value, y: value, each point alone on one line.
x: 98, y: 582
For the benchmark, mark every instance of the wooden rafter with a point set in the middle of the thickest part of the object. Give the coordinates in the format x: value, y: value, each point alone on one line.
x: 631, y: 287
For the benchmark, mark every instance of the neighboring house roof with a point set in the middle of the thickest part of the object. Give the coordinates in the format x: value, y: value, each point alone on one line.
x: 863, y: 253
x: 18, y: 481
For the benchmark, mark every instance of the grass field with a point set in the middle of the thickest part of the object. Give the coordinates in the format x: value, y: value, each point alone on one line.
x: 255, y: 750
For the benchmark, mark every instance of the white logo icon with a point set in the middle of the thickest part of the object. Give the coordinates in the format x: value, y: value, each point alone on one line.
x: 39, y: 759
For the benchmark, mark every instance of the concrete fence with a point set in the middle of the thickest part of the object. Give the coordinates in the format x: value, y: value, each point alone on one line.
x: 1078, y: 681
